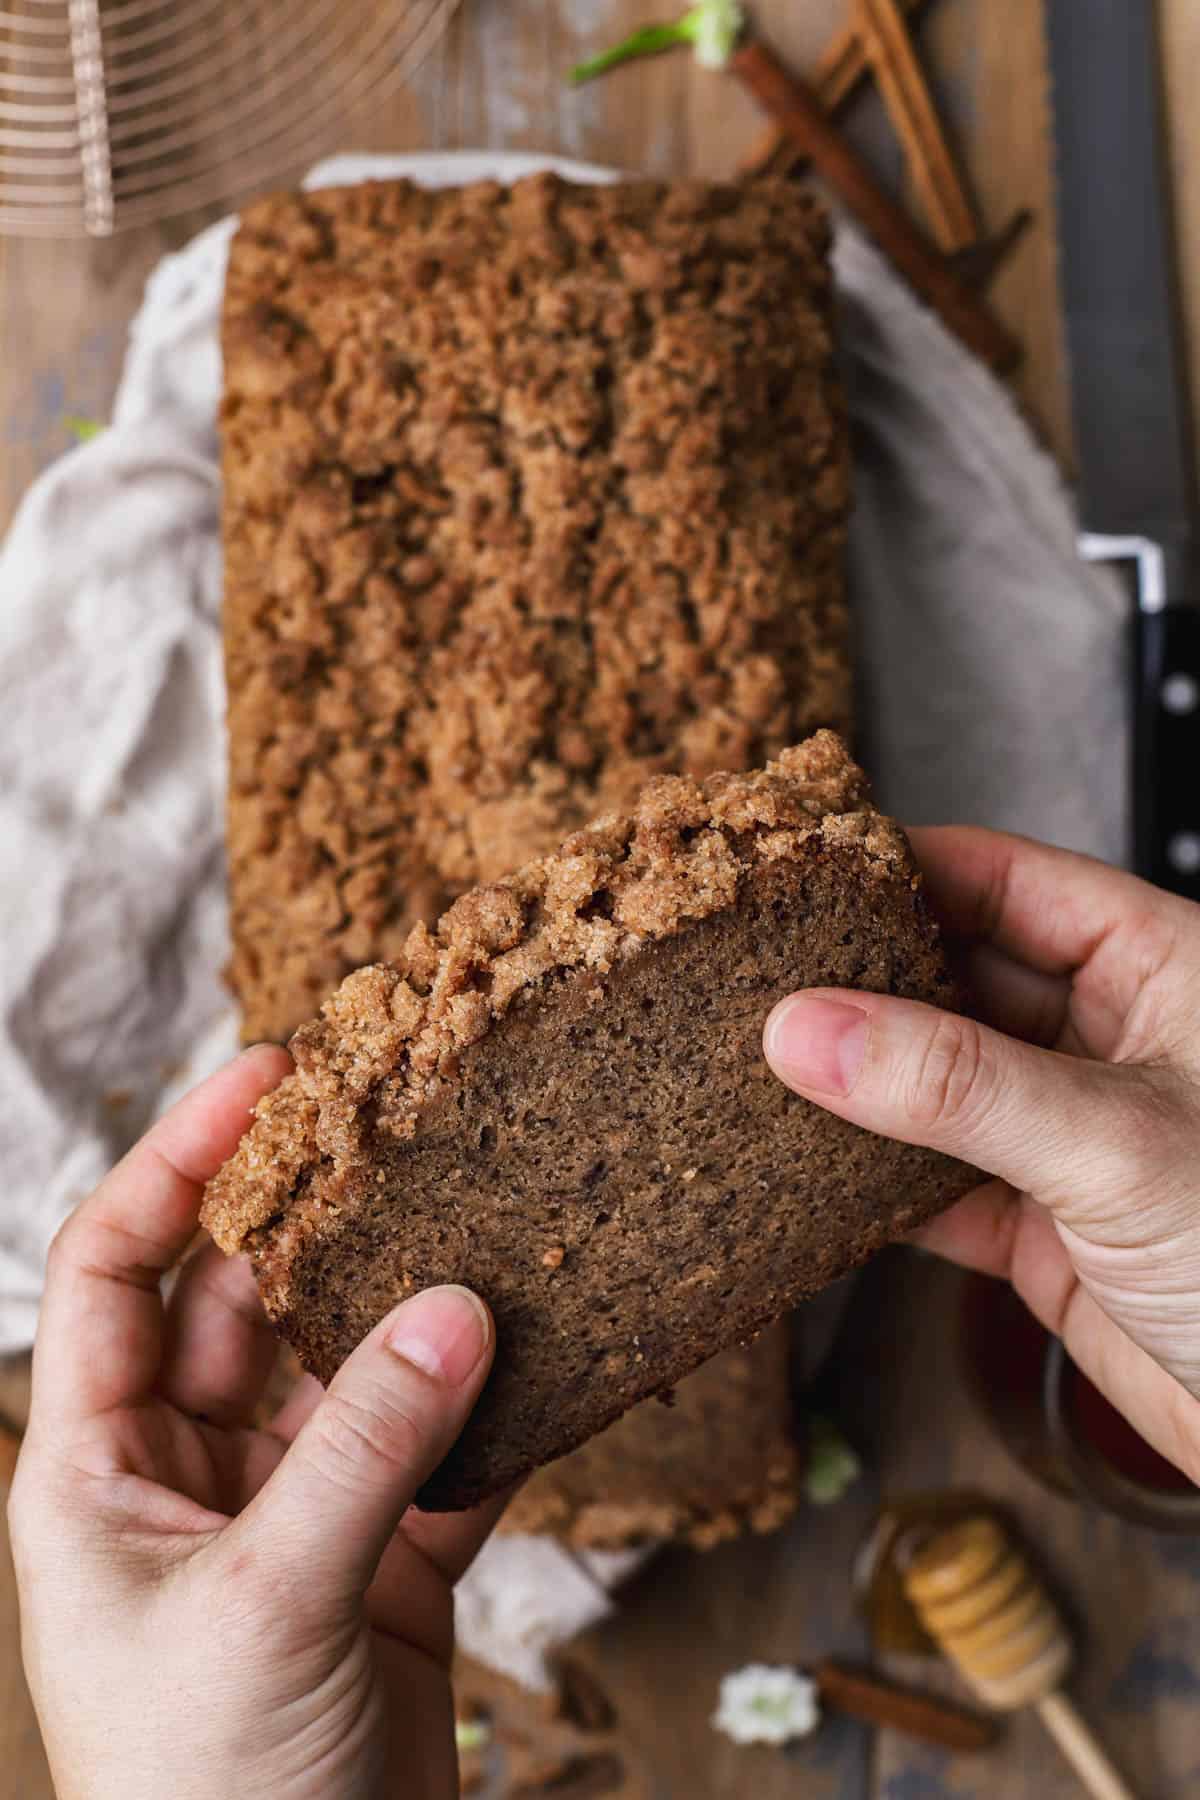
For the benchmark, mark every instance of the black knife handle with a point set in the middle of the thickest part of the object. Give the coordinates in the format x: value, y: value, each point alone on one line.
x: 1166, y: 747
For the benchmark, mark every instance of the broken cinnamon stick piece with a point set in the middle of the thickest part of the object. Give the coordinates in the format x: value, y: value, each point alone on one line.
x: 792, y: 103
x: 978, y: 263
x: 914, y: 117
x: 865, y: 1695
x: 840, y: 70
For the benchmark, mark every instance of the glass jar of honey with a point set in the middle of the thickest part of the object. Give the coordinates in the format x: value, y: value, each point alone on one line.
x: 1056, y: 1423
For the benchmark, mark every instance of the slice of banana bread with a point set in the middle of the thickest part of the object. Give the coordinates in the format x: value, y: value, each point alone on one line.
x: 529, y: 493
x: 720, y: 1460
x: 560, y: 1099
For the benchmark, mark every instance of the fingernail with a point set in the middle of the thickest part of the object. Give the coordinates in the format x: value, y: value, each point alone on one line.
x: 443, y: 1331
x: 816, y: 1044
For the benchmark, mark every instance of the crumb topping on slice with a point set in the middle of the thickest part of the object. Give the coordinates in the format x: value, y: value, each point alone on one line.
x: 391, y: 1034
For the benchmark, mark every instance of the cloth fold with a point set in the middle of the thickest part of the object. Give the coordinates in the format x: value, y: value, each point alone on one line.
x: 992, y: 691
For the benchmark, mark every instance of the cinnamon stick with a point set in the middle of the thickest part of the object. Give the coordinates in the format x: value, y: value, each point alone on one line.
x: 900, y: 78
x: 794, y: 106
x: 864, y: 1695
x: 841, y: 68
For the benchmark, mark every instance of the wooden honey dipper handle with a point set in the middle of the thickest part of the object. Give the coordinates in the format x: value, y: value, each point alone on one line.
x: 978, y: 1598
x: 1075, y: 1740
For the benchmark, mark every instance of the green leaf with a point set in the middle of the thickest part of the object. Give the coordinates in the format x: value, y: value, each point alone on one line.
x: 82, y: 429
x: 649, y: 40
x: 712, y: 27
x: 832, y: 1464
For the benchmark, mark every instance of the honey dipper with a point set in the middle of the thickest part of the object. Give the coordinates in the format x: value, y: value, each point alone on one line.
x: 978, y: 1598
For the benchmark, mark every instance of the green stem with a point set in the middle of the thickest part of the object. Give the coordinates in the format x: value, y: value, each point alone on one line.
x: 82, y: 429
x: 646, y: 42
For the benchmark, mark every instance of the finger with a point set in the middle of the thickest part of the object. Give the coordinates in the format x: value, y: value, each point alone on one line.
x: 451, y: 1541
x: 387, y: 1420
x: 1001, y: 1234
x: 1013, y: 998
x: 99, y: 1337
x: 445, y: 1544
x: 996, y: 1232
x: 1131, y: 1379
x: 422, y: 1562
x: 977, y: 1232
x: 1045, y: 907
x: 1009, y: 1236
x: 1017, y: 1240
x: 298, y: 1408
x: 237, y: 1462
x: 1135, y: 984
x: 1033, y: 1117
x: 219, y: 1348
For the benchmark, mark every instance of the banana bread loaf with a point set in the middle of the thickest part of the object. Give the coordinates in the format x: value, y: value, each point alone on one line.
x: 529, y: 494
x: 559, y: 1099
x: 721, y: 1459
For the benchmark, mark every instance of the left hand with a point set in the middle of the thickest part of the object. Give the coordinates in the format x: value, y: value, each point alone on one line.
x: 208, y: 1608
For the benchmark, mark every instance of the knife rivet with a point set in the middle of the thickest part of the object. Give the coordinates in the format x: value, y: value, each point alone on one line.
x: 1183, y: 852
x: 1180, y: 694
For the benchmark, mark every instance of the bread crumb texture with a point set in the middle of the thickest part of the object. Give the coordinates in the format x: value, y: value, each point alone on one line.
x: 720, y: 1460
x: 530, y: 493
x: 571, y: 1063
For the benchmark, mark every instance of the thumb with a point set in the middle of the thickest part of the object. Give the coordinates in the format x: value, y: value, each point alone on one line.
x: 1036, y: 1118
x: 391, y: 1413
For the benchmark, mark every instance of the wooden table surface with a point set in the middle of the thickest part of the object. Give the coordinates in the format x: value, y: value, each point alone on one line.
x: 496, y: 81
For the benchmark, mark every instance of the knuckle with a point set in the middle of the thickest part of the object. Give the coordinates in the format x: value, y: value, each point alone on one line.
x: 350, y: 1432
x: 1146, y: 1133
x: 952, y: 1083
x: 248, y: 1616
x: 60, y: 1252
x: 1141, y: 982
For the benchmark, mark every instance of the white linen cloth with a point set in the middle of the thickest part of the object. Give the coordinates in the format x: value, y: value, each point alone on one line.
x: 990, y: 662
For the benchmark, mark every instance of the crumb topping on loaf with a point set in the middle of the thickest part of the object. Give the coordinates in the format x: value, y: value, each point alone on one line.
x: 391, y: 1033
x: 529, y: 493
x: 720, y: 1460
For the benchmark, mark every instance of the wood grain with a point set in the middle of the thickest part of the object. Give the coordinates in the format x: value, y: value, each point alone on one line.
x: 497, y: 80
x: 1130, y: 1596
x: 900, y: 77
x: 839, y: 71
x: 797, y: 108
x: 1180, y: 33
x: 1003, y: 121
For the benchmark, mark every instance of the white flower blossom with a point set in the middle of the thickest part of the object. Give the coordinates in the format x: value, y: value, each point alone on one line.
x: 714, y: 27
x: 762, y: 1705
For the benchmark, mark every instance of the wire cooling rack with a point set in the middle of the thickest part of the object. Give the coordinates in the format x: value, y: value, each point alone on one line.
x: 116, y: 114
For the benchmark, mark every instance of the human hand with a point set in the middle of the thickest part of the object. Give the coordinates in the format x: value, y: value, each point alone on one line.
x: 207, y: 1608
x: 1081, y: 1095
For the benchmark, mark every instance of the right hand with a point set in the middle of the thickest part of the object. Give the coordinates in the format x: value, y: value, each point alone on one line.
x: 1080, y: 1095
